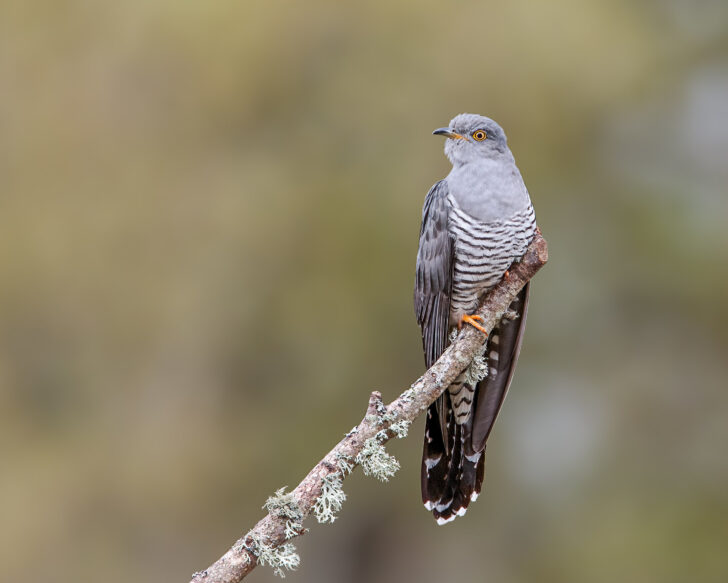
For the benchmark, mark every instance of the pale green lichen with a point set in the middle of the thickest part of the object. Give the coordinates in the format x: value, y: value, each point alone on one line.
x: 409, y: 395
x: 477, y: 370
x: 285, y: 506
x: 345, y: 463
x: 400, y: 428
x: 375, y: 461
x: 373, y: 458
x: 279, y: 558
x: 331, y: 499
x: 292, y: 529
x: 388, y: 417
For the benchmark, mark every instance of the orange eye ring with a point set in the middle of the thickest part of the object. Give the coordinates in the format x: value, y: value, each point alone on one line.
x: 479, y: 135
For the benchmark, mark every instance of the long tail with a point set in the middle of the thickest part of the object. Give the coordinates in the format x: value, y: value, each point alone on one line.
x: 453, y: 457
x: 451, y: 478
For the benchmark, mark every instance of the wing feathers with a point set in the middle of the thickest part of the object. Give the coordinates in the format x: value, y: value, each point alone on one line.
x: 492, y: 390
x: 433, y: 281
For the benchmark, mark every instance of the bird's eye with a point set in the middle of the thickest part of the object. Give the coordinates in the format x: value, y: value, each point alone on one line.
x: 479, y: 135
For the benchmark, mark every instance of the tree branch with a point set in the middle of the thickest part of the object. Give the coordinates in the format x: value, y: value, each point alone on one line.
x: 266, y: 542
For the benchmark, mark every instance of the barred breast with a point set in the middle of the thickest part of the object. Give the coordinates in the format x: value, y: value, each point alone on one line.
x: 483, y: 253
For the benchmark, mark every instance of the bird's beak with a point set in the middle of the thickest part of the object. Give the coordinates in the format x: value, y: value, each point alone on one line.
x: 448, y: 133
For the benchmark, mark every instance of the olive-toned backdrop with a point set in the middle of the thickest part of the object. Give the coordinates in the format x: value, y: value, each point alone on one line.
x: 208, y: 223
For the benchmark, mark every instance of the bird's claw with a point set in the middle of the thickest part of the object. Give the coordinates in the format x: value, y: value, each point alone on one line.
x: 473, y: 321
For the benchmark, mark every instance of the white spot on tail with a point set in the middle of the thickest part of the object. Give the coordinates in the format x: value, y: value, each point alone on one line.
x: 429, y: 505
x: 461, y: 511
x: 474, y: 496
x: 442, y: 520
x: 432, y: 462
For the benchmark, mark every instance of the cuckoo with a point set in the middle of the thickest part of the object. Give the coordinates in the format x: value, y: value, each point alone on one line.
x: 475, y: 223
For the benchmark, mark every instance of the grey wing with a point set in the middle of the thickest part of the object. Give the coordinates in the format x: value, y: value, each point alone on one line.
x: 433, y: 281
x: 433, y: 288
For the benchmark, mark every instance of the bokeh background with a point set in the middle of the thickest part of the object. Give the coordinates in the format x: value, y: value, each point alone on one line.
x: 208, y: 223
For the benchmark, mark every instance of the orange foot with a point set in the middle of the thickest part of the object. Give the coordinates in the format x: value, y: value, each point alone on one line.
x: 507, y: 275
x: 473, y: 321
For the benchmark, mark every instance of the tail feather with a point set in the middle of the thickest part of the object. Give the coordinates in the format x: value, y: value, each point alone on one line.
x: 503, y: 350
x: 450, y: 478
x: 435, y: 458
x: 453, y: 460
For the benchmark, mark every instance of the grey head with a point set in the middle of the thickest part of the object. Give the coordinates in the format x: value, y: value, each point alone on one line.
x: 484, y: 179
x: 473, y: 137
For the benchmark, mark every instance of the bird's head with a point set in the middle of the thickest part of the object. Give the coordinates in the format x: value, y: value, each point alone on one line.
x: 472, y: 137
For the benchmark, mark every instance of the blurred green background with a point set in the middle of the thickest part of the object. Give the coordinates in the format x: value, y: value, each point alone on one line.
x: 208, y: 224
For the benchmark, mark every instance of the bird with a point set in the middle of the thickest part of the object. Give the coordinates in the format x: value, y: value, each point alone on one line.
x: 476, y: 222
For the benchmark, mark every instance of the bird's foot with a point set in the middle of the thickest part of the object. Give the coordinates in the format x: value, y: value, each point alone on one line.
x: 507, y: 275
x: 473, y: 321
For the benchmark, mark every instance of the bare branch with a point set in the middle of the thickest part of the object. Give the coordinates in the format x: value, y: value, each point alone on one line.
x: 268, y: 542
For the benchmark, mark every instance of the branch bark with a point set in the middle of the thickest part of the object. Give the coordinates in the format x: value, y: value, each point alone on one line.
x: 242, y: 557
